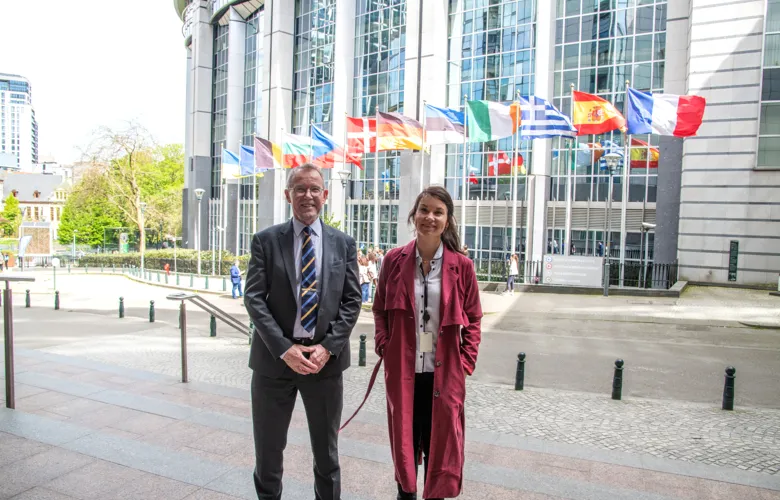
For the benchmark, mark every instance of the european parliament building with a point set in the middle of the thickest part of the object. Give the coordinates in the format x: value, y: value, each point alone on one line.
x: 708, y: 203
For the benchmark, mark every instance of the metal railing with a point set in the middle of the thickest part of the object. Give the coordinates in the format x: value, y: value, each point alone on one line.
x: 8, y: 335
x: 209, y: 308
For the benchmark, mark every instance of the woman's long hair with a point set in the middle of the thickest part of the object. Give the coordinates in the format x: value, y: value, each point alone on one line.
x: 450, y: 236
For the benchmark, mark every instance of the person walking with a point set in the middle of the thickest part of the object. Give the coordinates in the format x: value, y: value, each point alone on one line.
x: 235, y: 278
x: 303, y: 296
x: 365, y: 279
x: 429, y: 354
x: 514, y: 270
x: 373, y: 273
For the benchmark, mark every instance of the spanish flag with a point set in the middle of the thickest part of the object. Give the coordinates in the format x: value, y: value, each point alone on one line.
x: 643, y: 155
x: 396, y: 131
x: 593, y: 115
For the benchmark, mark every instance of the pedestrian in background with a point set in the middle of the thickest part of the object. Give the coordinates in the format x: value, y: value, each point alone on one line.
x: 365, y: 280
x: 235, y: 278
x: 373, y: 273
x: 428, y: 357
x: 514, y: 270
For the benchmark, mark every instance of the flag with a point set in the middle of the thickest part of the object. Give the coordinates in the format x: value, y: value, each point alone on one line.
x: 643, y: 155
x: 326, y: 152
x: 296, y: 150
x: 443, y: 125
x: 361, y: 135
x: 230, y: 165
x: 609, y: 147
x: 588, y: 153
x: 500, y: 163
x: 396, y: 131
x: 664, y: 114
x: 591, y: 114
x: 490, y: 121
x: 473, y: 178
x: 541, y: 120
x: 246, y: 160
x: 267, y: 155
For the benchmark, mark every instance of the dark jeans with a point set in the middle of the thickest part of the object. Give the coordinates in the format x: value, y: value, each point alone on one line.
x: 237, y: 286
x: 421, y: 425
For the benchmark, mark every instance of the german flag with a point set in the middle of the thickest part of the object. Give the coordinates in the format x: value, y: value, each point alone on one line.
x: 395, y: 131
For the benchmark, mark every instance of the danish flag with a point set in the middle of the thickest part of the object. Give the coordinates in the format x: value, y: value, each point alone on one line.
x: 361, y: 135
x: 500, y: 163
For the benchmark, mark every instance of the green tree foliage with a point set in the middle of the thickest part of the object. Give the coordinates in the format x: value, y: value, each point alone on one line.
x: 331, y: 221
x: 10, y: 217
x: 88, y: 211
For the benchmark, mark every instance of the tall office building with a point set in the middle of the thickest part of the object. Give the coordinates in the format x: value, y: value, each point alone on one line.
x: 709, y: 202
x: 18, y: 128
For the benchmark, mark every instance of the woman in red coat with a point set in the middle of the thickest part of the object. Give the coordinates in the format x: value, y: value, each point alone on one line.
x: 427, y: 316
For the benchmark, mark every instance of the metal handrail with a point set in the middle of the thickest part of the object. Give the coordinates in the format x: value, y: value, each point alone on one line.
x: 207, y: 306
x: 8, y: 330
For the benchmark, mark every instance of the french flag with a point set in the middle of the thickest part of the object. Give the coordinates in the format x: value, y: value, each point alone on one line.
x: 664, y: 114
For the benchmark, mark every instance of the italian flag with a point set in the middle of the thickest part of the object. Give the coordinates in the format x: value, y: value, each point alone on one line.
x: 296, y: 150
x: 490, y: 121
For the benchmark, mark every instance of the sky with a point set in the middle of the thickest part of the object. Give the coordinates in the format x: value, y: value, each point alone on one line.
x: 94, y: 63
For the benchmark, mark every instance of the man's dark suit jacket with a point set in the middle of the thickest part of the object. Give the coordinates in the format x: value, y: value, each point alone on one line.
x: 270, y: 298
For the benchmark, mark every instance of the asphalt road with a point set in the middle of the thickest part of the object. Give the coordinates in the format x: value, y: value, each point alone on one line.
x: 684, y: 360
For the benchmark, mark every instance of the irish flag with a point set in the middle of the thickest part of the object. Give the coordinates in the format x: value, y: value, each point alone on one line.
x: 590, y: 114
x: 490, y: 121
x: 296, y: 150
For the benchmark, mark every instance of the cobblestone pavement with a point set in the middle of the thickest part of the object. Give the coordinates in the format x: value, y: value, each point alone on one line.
x: 747, y: 439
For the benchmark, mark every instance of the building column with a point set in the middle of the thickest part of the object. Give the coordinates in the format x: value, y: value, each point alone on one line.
x: 198, y: 152
x: 277, y: 83
x: 235, y: 121
x: 541, y: 167
x: 343, y: 63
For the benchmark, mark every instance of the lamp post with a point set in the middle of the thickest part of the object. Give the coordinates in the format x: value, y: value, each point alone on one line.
x: 143, y: 236
x: 612, y: 160
x: 199, y: 195
x: 344, y: 175
x: 73, y: 251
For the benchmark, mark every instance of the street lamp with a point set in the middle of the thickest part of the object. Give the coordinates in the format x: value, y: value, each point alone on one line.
x: 74, y: 244
x: 344, y: 175
x: 198, y: 194
x: 612, y: 160
x: 143, y: 236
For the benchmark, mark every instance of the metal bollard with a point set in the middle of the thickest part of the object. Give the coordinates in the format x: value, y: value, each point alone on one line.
x: 151, y: 311
x: 166, y: 279
x: 68, y: 268
x: 617, y: 380
x: 86, y: 271
x: 158, y: 276
x: 362, y: 352
x: 251, y: 331
x: 121, y: 307
x: 207, y: 282
x: 213, y: 326
x: 56, y: 301
x: 728, y: 389
x: 520, y: 373
x: 192, y: 280
x: 102, y: 267
x: 224, y: 284
x: 27, y: 299
x: 177, y: 279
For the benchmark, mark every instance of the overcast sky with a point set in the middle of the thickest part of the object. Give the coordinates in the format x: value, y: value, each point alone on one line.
x: 94, y: 63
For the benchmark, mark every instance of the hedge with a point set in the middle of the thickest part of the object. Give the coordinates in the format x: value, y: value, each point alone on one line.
x: 186, y: 260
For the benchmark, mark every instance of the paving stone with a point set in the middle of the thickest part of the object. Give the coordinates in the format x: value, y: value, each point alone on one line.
x: 93, y: 481
x: 13, y: 448
x: 152, y: 487
x: 39, y: 469
x: 204, y: 494
x: 41, y: 494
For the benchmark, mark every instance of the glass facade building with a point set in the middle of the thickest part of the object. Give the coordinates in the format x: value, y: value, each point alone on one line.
x: 380, y: 59
x: 769, y: 128
x: 218, y: 130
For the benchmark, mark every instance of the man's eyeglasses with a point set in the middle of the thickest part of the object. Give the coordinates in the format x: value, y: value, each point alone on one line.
x: 301, y: 191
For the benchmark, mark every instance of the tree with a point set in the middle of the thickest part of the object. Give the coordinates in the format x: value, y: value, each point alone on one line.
x: 11, y: 216
x: 161, y: 185
x: 88, y: 211
x: 123, y: 157
x: 331, y: 221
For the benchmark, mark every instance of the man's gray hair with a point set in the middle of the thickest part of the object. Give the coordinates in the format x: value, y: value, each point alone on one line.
x: 303, y: 168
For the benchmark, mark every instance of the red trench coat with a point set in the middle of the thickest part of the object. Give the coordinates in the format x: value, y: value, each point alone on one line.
x: 456, y: 352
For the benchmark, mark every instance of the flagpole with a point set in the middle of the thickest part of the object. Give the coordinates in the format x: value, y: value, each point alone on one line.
x: 254, y: 192
x: 346, y: 167
x: 624, y: 205
x: 513, y: 184
x: 422, y: 156
x: 376, y: 185
x: 567, y: 240
x: 238, y: 208
x: 464, y: 174
x: 283, y: 181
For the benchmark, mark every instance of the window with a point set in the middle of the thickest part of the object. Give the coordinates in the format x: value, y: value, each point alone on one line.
x: 769, y: 118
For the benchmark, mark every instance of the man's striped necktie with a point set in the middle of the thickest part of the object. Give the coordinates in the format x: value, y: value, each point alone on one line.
x: 308, y: 282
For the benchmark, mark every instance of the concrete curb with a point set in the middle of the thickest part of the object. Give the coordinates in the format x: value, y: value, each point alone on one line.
x: 673, y: 292
x: 761, y: 326
x: 153, y: 283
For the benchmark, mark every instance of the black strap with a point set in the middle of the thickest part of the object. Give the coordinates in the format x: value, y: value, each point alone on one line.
x: 426, y: 315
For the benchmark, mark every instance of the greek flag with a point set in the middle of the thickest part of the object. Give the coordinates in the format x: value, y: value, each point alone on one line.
x: 540, y: 120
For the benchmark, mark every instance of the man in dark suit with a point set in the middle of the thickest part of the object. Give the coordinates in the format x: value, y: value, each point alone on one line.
x: 303, y: 295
